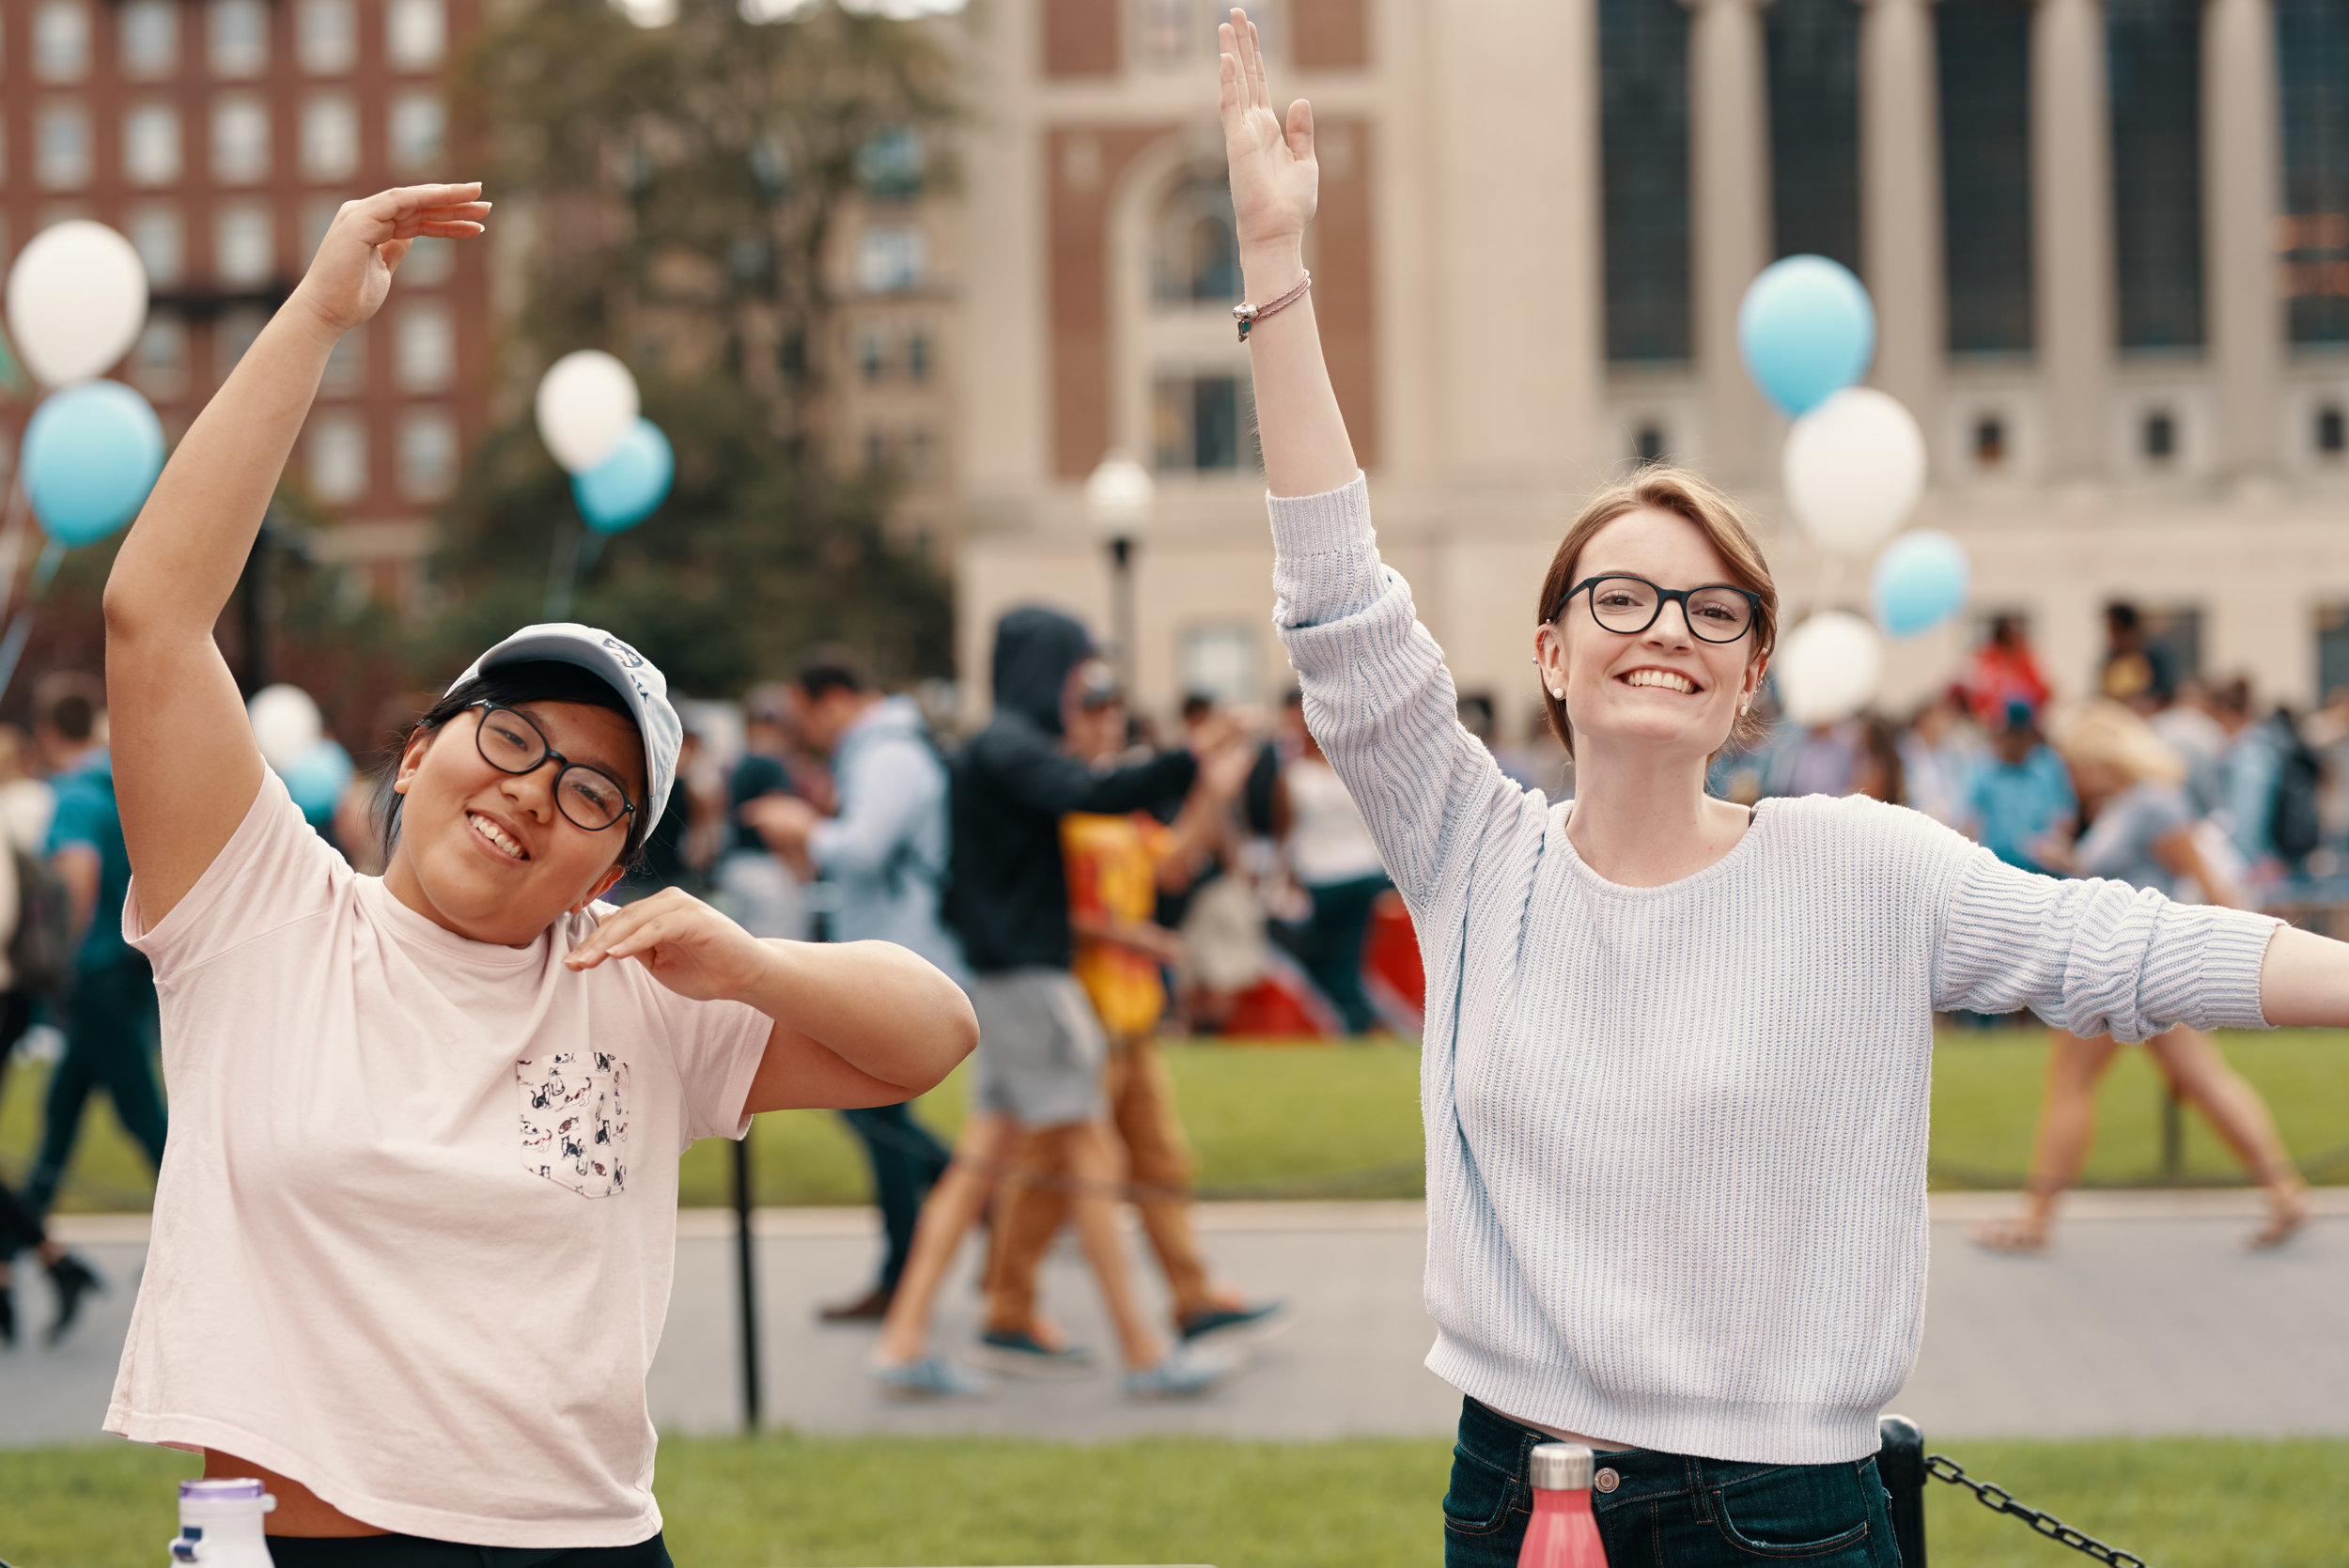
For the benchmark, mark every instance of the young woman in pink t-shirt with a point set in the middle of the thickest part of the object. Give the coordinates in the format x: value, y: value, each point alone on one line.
x: 415, y: 1224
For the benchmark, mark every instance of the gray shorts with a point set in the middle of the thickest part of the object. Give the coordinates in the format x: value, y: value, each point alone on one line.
x: 1040, y: 1048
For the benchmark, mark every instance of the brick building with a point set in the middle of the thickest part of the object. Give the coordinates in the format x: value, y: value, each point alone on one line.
x: 221, y: 135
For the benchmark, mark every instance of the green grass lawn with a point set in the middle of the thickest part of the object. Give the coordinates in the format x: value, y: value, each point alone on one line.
x: 780, y: 1501
x: 1343, y: 1122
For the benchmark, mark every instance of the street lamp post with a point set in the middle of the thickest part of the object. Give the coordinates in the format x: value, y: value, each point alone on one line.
x: 1117, y: 504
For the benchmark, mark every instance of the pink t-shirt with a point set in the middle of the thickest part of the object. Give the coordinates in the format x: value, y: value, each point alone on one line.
x: 417, y: 1215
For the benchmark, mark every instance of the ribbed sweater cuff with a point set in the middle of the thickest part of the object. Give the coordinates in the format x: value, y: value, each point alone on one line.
x: 1324, y: 553
x: 2221, y: 990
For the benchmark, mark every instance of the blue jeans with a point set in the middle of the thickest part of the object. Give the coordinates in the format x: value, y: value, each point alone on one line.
x: 1668, y: 1510
x: 907, y: 1160
x: 109, y: 1040
x: 1332, y: 946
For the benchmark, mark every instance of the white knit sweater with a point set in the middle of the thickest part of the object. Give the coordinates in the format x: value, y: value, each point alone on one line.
x: 1676, y: 1135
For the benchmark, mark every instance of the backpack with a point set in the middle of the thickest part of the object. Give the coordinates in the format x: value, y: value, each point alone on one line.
x: 40, y: 954
x: 2292, y: 826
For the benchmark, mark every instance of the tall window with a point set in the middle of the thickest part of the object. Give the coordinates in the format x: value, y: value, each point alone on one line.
x: 1203, y: 423
x: 1195, y: 247
x: 2153, y: 60
x: 330, y: 136
x: 61, y: 146
x: 1813, y: 49
x: 2313, y: 70
x: 1984, y: 66
x: 240, y: 140
x: 61, y: 40
x: 150, y: 144
x: 244, y: 247
x: 150, y: 37
x: 156, y: 234
x: 326, y: 36
x: 239, y: 37
x: 1644, y: 132
x: 414, y: 33
x: 418, y: 123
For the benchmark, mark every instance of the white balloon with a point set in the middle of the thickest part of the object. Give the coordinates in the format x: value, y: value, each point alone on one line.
x: 286, y: 723
x: 587, y: 403
x: 1855, y: 467
x: 1828, y: 667
x: 77, y: 298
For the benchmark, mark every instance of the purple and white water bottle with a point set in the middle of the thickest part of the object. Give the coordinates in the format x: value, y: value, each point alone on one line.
x: 220, y: 1524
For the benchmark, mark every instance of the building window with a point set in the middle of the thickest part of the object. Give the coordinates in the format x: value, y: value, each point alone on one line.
x: 2331, y: 436
x: 330, y: 136
x: 876, y: 454
x: 2312, y: 71
x: 920, y: 452
x: 338, y: 457
x: 2158, y: 438
x: 918, y: 357
x: 149, y: 39
x: 417, y: 124
x: 2154, y: 62
x: 61, y: 40
x: 1202, y: 423
x: 1989, y: 443
x: 870, y: 355
x: 889, y: 166
x: 1648, y: 444
x: 239, y: 37
x: 1643, y: 135
x: 151, y: 145
x: 327, y: 37
x: 156, y: 234
x: 1196, y: 248
x: 159, y: 362
x: 424, y: 346
x: 347, y: 365
x: 2180, y: 631
x: 415, y: 34
x: 1984, y: 47
x: 1177, y: 32
x: 889, y: 259
x: 236, y: 330
x: 244, y: 245
x: 2332, y: 652
x: 1220, y: 661
x: 427, y: 264
x: 240, y: 140
x: 428, y: 455
x: 61, y: 149
x: 1813, y: 56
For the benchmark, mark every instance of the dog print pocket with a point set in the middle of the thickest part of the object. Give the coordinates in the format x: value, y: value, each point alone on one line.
x: 574, y: 1120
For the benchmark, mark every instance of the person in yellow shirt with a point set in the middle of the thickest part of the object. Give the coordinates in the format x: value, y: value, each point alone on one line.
x: 1117, y: 866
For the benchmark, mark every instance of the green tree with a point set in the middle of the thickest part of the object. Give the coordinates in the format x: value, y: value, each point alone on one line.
x: 684, y: 186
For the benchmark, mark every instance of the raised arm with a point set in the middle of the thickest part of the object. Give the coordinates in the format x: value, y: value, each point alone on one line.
x: 185, y: 766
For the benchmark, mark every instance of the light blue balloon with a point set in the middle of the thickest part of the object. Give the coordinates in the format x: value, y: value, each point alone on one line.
x: 1807, y: 331
x: 91, y: 454
x: 317, y: 778
x: 1921, y: 581
x: 623, y: 489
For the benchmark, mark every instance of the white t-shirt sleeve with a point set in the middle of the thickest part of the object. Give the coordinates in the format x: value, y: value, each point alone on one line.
x: 274, y: 871
x: 717, y: 1047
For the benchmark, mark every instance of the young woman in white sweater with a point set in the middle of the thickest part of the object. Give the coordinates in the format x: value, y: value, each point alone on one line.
x: 1678, y: 1052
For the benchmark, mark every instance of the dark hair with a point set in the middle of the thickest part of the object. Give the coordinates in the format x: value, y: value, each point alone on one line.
x: 516, y: 685
x: 2122, y: 615
x: 69, y: 701
x: 831, y: 668
x: 1197, y: 705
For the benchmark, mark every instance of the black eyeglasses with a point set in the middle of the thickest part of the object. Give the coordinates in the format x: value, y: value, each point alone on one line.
x: 1717, y: 612
x: 588, y: 796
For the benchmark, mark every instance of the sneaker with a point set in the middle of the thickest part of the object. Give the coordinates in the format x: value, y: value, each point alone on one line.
x: 931, y: 1377
x: 1183, y: 1374
x: 869, y: 1308
x: 1237, y: 1325
x: 71, y: 1278
x: 1020, y: 1354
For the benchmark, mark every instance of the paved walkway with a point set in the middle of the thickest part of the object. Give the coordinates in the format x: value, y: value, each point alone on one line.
x: 2147, y: 1318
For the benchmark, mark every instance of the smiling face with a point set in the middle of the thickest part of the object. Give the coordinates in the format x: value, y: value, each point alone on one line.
x: 1660, y: 689
x: 487, y: 854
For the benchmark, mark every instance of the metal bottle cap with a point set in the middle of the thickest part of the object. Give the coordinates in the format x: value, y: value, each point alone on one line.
x: 1561, y: 1468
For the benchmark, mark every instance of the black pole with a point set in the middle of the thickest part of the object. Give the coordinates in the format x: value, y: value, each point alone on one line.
x: 2173, y: 1137
x: 746, y: 1269
x: 1901, y: 1467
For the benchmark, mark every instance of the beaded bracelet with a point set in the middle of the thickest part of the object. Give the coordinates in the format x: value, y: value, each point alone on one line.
x: 1248, y: 315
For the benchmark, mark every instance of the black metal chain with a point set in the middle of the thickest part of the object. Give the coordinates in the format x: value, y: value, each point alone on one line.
x: 1997, y: 1499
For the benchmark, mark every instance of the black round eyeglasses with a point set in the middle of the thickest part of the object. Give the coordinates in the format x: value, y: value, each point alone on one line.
x: 588, y: 796
x: 1717, y: 612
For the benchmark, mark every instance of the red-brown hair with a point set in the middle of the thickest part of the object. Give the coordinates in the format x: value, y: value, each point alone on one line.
x: 1663, y: 488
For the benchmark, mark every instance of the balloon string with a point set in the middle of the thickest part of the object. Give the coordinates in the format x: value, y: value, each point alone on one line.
x: 45, y: 569
x: 12, y: 646
x: 12, y: 540
x: 20, y: 627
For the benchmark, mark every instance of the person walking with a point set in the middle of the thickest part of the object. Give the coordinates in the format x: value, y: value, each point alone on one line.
x: 110, y: 1016
x: 1335, y: 862
x: 415, y: 1233
x: 1041, y: 1051
x: 2143, y: 835
x: 1117, y: 864
x: 1675, y: 1079
x: 884, y: 859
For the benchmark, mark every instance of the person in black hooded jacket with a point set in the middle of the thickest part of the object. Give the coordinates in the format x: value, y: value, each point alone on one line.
x: 1038, y: 1065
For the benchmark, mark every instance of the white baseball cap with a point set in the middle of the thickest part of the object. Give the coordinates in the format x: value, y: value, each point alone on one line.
x: 636, y: 678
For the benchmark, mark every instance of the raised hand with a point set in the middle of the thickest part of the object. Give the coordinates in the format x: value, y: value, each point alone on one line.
x: 352, y: 270
x: 1275, y: 180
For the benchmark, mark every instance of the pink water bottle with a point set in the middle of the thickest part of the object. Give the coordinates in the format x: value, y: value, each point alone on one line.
x: 1563, y: 1534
